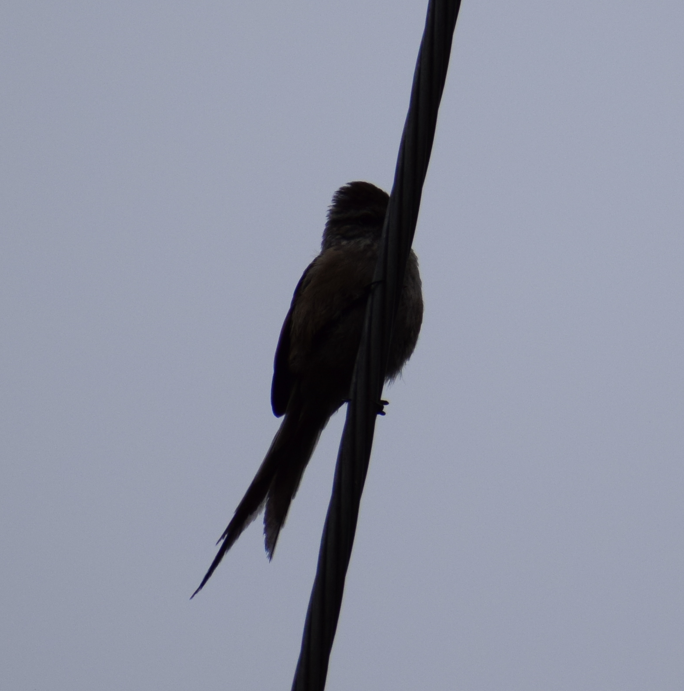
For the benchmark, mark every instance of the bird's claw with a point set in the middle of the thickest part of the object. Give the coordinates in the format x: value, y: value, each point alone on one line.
x: 381, y: 406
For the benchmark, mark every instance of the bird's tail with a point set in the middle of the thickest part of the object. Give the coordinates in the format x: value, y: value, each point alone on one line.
x: 275, y: 483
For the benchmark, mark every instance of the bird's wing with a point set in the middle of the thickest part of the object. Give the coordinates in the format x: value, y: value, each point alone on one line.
x: 334, y: 285
x: 281, y: 386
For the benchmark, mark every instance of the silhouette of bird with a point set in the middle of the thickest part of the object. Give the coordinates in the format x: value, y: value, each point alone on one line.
x: 317, y: 351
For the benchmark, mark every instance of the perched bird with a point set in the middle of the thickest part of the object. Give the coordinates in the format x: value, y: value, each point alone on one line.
x: 317, y: 351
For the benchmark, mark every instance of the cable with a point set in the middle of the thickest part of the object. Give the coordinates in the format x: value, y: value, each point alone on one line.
x: 369, y: 374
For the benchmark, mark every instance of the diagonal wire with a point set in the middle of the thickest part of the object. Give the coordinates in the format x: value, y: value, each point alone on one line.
x: 369, y: 374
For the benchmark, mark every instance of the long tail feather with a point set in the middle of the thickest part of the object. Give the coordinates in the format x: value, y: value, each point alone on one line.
x: 287, y: 477
x: 275, y: 484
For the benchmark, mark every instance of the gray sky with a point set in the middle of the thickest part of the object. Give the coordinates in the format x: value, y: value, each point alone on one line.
x: 166, y: 169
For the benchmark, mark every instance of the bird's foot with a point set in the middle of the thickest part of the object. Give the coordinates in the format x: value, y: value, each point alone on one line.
x: 380, y: 405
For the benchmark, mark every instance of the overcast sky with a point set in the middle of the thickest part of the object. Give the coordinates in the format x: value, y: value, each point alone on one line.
x: 166, y: 169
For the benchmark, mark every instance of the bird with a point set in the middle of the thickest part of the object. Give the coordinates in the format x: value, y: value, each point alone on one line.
x: 316, y: 353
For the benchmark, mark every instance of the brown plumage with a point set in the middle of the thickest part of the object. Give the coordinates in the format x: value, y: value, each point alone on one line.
x: 317, y: 350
